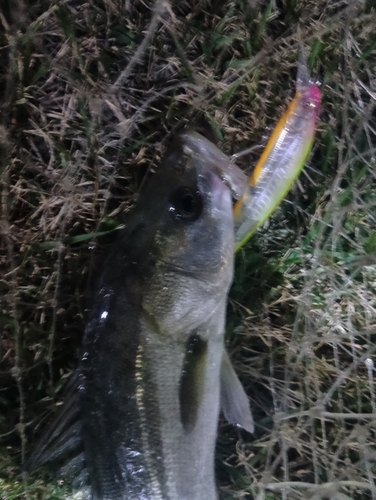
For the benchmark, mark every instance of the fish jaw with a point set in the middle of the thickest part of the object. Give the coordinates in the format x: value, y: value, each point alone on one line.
x: 205, y: 151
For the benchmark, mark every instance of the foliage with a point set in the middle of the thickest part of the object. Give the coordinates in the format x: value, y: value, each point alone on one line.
x: 93, y: 93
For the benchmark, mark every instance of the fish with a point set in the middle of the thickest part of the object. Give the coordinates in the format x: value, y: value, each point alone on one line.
x: 282, y: 159
x: 140, y: 414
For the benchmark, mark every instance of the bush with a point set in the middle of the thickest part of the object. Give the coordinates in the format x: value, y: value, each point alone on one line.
x: 92, y: 96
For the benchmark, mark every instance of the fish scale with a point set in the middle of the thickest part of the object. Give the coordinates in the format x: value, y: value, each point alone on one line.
x: 147, y: 392
x: 186, y: 454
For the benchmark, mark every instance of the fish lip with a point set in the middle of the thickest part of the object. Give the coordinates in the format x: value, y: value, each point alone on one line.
x: 205, y: 152
x: 220, y: 194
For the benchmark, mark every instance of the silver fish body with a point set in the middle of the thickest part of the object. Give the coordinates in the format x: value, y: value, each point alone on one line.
x: 142, y: 424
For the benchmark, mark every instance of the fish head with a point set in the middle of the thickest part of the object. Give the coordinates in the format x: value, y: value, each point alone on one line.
x: 207, y: 153
x: 181, y: 238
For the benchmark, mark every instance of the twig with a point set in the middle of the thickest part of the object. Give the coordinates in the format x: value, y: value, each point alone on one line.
x: 323, y: 487
x: 160, y: 9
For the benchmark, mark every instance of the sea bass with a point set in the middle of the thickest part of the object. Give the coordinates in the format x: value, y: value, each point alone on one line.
x: 141, y: 420
x: 282, y: 159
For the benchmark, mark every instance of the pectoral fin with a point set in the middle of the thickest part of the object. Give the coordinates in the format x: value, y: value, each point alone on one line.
x: 234, y: 400
x: 191, y: 382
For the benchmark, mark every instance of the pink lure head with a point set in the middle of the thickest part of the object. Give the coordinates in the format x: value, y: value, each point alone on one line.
x: 314, y: 94
x: 308, y: 88
x: 312, y: 98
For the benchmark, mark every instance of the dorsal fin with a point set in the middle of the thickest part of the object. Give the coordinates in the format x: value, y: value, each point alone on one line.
x: 61, y: 443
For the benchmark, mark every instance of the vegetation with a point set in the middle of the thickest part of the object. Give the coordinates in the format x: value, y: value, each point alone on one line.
x: 92, y: 94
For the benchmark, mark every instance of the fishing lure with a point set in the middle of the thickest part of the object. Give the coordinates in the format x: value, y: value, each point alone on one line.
x: 282, y: 159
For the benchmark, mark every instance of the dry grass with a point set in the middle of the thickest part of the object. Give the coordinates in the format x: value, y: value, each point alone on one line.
x: 93, y: 93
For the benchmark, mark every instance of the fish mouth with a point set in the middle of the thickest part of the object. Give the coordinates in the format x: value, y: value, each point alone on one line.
x: 220, y: 193
x: 206, y: 153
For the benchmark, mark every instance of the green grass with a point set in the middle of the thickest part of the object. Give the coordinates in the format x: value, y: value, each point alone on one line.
x: 75, y: 147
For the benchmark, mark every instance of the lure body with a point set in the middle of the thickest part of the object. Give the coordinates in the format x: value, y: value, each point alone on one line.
x: 281, y: 161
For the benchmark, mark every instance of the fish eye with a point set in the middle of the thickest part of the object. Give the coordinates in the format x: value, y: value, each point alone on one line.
x: 186, y: 203
x: 309, y: 104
